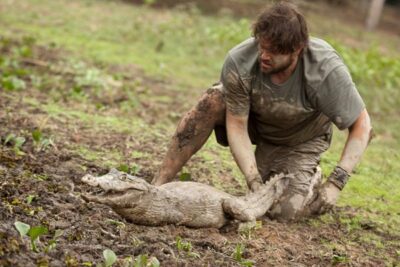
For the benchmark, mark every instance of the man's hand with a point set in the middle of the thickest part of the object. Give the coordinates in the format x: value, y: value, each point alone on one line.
x: 326, y: 198
x: 255, y: 185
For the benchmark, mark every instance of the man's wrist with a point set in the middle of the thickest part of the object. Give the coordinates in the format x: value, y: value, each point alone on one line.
x: 254, y: 179
x: 339, y: 177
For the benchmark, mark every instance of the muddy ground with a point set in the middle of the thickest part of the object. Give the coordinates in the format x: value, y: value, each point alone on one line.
x: 51, y: 174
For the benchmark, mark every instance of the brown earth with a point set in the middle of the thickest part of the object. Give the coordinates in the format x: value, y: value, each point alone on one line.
x: 53, y: 177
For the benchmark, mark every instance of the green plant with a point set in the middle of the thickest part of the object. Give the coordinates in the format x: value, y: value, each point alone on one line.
x: 11, y: 83
x: 115, y: 222
x: 17, y: 143
x: 145, y: 261
x: 53, y: 242
x: 140, y: 261
x: 33, y: 232
x: 336, y: 259
x: 130, y: 169
x: 246, y: 230
x: 41, y: 142
x: 30, y: 198
x: 185, y: 246
x: 109, y: 257
x: 238, y: 255
x: 22, y: 228
x: 185, y: 176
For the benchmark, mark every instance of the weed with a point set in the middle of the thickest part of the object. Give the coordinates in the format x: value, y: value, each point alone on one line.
x: 30, y: 198
x: 109, y: 257
x: 352, y: 223
x: 17, y: 142
x: 185, y: 176
x: 237, y: 255
x: 22, y: 228
x: 41, y: 143
x: 33, y: 232
x: 185, y: 246
x: 141, y: 261
x: 247, y: 230
x: 11, y: 83
x: 115, y: 222
x: 53, y: 242
x: 132, y: 169
x: 338, y: 258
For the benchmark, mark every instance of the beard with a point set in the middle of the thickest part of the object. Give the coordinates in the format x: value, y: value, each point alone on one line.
x: 276, y: 67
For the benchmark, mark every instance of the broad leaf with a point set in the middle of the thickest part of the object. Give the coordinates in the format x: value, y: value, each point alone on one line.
x: 37, y: 231
x: 22, y: 228
x: 109, y: 257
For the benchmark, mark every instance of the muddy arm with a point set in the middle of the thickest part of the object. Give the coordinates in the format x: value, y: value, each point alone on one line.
x: 357, y: 141
x: 240, y: 144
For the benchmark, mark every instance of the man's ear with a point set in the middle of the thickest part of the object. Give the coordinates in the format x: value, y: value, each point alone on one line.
x: 299, y: 51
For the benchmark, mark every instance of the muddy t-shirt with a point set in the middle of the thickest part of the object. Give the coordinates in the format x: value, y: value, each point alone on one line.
x: 320, y: 91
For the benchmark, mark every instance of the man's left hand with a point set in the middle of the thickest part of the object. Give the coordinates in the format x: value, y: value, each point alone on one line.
x: 326, y: 198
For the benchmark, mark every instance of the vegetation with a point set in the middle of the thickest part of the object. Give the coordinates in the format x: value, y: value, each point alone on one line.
x: 60, y: 61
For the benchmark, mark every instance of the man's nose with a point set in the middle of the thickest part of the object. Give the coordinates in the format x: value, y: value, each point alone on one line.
x: 265, y: 56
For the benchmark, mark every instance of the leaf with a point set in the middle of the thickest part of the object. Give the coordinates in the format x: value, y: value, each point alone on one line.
x: 185, y: 177
x: 141, y: 261
x: 22, y: 228
x: 9, y: 138
x: 154, y: 262
x: 123, y: 168
x: 37, y: 135
x: 37, y: 231
x: 19, y: 141
x: 58, y: 233
x: 109, y: 257
x: 30, y: 198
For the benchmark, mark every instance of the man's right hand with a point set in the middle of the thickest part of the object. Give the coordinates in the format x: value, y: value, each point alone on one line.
x: 254, y: 183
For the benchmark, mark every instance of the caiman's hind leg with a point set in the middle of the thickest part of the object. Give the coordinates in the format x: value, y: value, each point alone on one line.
x: 256, y: 204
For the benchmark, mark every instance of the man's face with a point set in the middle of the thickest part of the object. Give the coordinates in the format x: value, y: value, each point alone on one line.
x: 272, y: 62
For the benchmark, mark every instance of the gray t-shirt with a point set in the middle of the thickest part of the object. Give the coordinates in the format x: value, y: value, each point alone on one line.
x: 320, y: 91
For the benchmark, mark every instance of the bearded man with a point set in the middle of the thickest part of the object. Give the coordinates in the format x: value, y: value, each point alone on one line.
x: 281, y: 91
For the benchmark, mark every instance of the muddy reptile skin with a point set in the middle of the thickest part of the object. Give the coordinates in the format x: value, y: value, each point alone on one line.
x: 182, y: 203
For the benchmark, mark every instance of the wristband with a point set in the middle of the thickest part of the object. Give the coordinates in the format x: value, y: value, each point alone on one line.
x: 339, y: 177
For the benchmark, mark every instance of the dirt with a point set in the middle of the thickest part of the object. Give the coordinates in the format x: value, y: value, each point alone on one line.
x: 53, y: 177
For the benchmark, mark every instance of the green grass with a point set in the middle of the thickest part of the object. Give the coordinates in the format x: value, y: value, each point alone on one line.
x: 187, y: 49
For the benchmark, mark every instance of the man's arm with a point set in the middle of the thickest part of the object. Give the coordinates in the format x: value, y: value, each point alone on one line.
x: 240, y: 145
x: 360, y: 133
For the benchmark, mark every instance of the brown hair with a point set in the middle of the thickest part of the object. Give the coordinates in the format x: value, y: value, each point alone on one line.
x: 283, y: 26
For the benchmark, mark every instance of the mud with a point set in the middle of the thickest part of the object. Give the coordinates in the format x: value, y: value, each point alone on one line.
x: 53, y: 177
x: 202, y: 118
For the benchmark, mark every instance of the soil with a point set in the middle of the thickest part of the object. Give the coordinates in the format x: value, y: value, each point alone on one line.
x: 53, y: 177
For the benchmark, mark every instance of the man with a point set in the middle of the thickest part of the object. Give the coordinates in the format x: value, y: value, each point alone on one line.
x: 281, y: 91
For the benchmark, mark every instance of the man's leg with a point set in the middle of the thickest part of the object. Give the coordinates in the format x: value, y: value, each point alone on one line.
x: 301, y: 162
x: 192, y: 132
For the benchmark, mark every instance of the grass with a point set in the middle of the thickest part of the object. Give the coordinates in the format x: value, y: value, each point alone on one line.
x: 187, y: 49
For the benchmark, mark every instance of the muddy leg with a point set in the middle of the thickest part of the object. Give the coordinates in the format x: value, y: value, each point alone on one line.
x: 192, y: 132
x: 301, y: 161
x: 294, y: 202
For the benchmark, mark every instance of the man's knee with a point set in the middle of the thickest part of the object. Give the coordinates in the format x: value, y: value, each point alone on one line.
x: 293, y: 204
x: 212, y: 103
